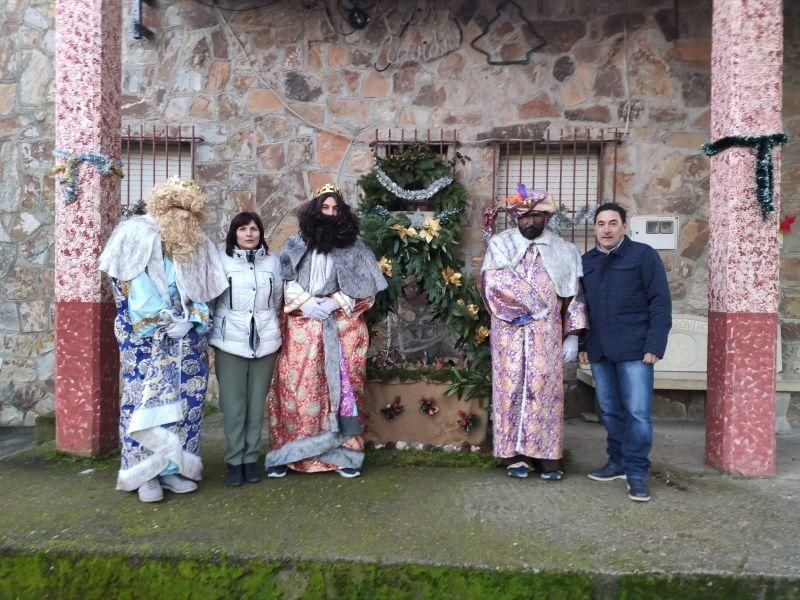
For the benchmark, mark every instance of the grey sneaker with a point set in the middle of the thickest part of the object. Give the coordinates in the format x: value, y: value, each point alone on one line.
x: 150, y: 491
x: 349, y: 473
x: 178, y: 484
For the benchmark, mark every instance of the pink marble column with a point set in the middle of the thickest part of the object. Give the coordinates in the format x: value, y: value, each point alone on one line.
x: 746, y: 88
x: 87, y: 104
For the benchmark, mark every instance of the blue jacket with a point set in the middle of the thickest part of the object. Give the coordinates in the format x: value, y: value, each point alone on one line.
x: 630, y: 309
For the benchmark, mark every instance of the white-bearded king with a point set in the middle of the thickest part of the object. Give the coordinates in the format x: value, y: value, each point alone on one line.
x: 163, y: 271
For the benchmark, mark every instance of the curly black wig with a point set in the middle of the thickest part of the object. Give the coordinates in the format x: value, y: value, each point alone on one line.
x: 322, y: 232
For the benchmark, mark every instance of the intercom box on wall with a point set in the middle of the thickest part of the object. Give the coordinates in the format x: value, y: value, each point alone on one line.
x: 655, y: 230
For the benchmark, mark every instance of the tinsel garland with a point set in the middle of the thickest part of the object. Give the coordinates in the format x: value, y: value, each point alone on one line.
x: 67, y: 170
x: 444, y: 216
x: 447, y: 214
x: 561, y: 219
x: 381, y: 211
x: 764, y: 176
x: 414, y: 195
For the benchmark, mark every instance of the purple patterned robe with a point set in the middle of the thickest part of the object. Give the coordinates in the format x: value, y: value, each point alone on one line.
x: 527, y: 377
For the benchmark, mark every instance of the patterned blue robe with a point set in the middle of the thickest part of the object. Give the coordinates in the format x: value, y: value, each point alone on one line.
x: 164, y: 382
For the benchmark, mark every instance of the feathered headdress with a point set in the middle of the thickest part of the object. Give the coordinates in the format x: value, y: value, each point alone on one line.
x: 524, y: 201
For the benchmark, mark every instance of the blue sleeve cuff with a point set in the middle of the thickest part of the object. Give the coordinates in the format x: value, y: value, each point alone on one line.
x: 200, y: 314
x: 144, y: 305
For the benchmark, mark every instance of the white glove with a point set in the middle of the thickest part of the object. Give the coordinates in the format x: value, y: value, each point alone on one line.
x: 178, y: 329
x: 569, y: 348
x: 167, y: 316
x: 313, y: 310
x: 329, y: 305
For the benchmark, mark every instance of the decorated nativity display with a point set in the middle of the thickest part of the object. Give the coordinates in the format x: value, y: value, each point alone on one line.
x: 429, y: 369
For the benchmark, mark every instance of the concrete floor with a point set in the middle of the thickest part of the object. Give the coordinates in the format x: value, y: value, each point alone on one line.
x: 698, y: 522
x: 15, y: 439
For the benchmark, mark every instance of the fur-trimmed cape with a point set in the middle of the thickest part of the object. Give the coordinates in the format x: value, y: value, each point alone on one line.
x: 561, y: 258
x: 355, y: 268
x: 135, y: 246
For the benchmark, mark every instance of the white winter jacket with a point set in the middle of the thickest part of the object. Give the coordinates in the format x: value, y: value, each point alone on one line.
x: 245, y: 315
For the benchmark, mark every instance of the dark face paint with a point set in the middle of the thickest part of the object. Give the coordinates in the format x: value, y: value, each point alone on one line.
x: 533, y: 231
x: 532, y: 224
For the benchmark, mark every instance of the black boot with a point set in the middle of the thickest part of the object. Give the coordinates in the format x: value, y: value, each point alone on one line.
x: 234, y: 477
x: 252, y: 472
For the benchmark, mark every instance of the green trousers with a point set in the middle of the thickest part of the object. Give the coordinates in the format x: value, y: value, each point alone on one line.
x: 243, y: 385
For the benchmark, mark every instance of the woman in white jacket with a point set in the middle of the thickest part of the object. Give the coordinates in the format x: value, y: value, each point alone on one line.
x: 246, y: 337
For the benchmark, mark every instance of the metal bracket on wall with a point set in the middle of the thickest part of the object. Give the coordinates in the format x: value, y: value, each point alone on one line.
x: 528, y: 22
x: 138, y: 29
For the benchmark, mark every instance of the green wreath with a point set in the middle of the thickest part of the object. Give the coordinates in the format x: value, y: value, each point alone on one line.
x: 410, y: 244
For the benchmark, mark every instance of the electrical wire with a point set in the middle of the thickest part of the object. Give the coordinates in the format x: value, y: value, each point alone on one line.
x: 329, y: 18
x: 409, y: 20
x: 351, y: 138
x: 437, y: 49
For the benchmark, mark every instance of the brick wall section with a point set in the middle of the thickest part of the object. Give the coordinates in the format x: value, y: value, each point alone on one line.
x: 284, y: 103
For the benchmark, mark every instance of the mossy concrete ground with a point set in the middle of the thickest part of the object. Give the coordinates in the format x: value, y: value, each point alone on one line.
x: 407, y: 531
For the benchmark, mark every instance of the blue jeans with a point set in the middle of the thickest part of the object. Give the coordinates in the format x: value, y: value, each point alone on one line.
x: 625, y: 392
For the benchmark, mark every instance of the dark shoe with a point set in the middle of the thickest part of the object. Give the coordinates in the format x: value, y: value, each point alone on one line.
x: 252, y: 472
x: 552, y: 475
x: 277, y: 472
x: 637, y: 489
x: 234, y: 477
x: 519, y: 471
x: 349, y: 473
x: 608, y: 473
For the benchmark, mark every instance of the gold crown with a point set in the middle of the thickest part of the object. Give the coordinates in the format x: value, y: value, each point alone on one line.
x: 328, y: 188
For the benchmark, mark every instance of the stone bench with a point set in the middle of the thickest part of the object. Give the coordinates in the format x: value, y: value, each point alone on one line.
x: 684, y: 366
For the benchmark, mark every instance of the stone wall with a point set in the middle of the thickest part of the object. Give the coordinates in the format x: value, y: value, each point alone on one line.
x: 285, y: 101
x: 27, y: 40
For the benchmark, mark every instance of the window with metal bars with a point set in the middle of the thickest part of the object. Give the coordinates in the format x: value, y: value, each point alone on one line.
x: 152, y: 156
x: 572, y: 169
x: 439, y: 143
x: 396, y: 141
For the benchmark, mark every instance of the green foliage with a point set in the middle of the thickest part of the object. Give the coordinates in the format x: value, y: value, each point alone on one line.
x: 470, y: 384
x: 48, y: 453
x: 416, y: 167
x: 404, y: 374
x: 46, y: 575
x: 425, y: 256
x: 411, y: 457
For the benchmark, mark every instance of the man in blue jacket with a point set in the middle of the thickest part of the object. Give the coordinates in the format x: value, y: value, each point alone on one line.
x: 630, y: 315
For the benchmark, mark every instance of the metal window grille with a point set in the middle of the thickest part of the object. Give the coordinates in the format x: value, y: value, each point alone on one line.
x: 572, y: 168
x: 444, y: 144
x: 153, y: 155
x: 395, y: 141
